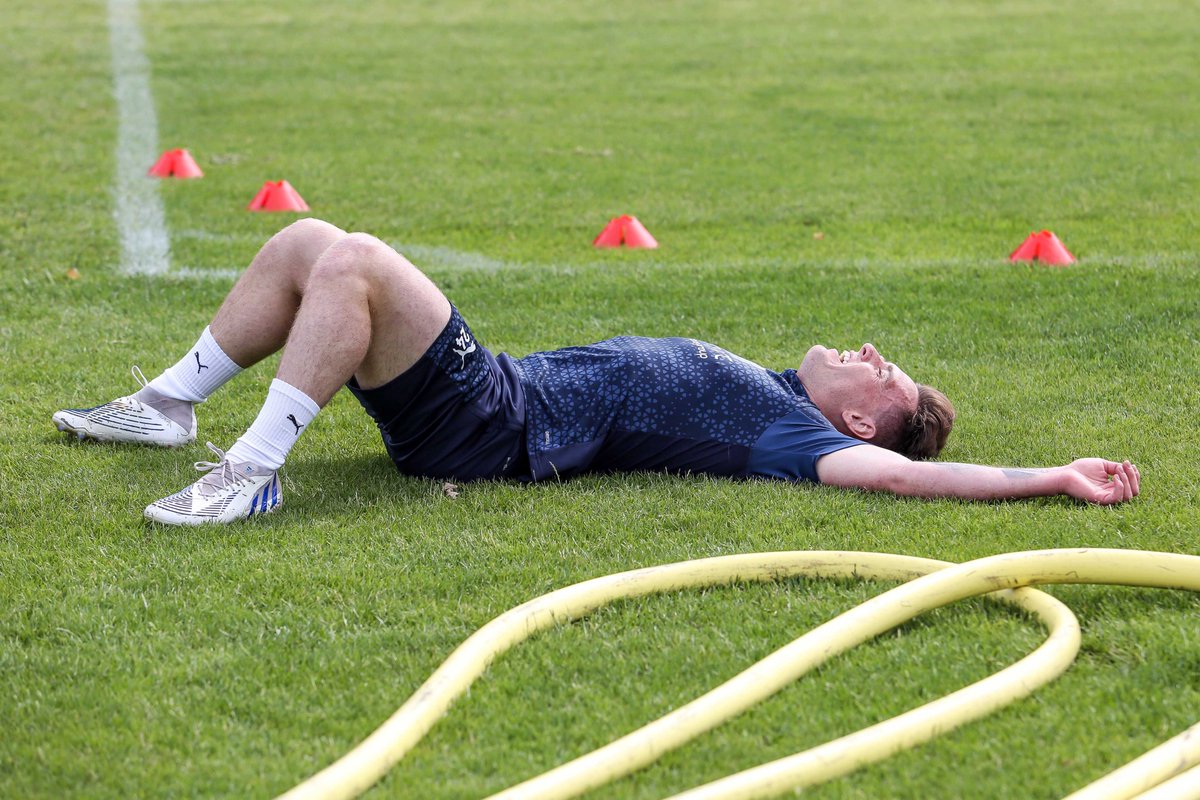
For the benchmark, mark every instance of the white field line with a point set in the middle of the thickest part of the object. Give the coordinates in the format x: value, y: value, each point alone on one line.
x: 438, y: 257
x: 141, y: 223
x: 424, y: 256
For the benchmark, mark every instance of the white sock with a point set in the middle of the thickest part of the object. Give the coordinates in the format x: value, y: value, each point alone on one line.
x: 201, y: 372
x: 286, y: 413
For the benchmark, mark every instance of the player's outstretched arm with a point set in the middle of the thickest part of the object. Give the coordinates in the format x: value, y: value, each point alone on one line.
x: 1093, y: 480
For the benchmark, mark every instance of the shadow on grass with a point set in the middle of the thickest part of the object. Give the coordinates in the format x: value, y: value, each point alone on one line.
x: 331, y: 487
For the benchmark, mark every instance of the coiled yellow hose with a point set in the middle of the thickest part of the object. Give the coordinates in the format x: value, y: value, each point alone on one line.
x: 931, y: 584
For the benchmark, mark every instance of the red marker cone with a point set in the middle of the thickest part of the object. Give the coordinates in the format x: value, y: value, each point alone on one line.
x: 611, y: 235
x: 1045, y: 247
x: 176, y: 164
x: 624, y: 230
x: 636, y: 234
x: 1028, y: 249
x: 257, y: 203
x: 277, y: 196
x: 1052, y: 251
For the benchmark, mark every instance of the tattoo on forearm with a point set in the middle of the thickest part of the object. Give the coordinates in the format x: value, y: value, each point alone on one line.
x: 1015, y: 473
x: 1022, y: 473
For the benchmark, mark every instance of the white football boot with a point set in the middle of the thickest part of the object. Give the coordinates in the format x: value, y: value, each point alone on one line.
x: 230, y: 491
x: 128, y: 420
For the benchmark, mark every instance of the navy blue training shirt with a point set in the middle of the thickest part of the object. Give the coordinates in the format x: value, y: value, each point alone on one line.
x: 680, y: 405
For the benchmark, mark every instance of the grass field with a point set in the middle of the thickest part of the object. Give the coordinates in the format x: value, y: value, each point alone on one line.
x: 922, y: 141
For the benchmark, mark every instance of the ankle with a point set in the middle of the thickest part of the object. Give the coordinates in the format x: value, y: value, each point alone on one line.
x: 150, y: 396
x: 244, y: 451
x: 178, y: 411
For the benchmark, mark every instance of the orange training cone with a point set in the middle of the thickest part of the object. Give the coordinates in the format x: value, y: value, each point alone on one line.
x: 624, y: 230
x: 1028, y: 249
x: 257, y: 203
x: 636, y: 234
x: 611, y: 235
x: 176, y: 164
x: 277, y: 196
x: 1052, y: 251
x: 1043, y: 246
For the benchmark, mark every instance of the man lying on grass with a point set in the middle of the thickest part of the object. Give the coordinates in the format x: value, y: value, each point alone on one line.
x: 353, y: 311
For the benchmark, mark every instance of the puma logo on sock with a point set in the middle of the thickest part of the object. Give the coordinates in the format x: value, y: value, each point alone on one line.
x: 292, y: 419
x: 199, y: 366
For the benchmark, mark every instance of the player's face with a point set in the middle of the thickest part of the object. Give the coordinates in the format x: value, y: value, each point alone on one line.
x: 857, y: 380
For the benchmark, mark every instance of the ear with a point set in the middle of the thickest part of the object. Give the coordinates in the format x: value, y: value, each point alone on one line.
x: 859, y: 425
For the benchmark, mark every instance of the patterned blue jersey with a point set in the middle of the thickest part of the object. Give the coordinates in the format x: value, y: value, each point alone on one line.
x: 680, y: 405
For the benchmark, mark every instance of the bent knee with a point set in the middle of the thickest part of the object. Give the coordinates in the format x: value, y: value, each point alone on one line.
x: 354, y: 255
x: 360, y: 250
x: 309, y: 234
x: 310, y: 226
x: 302, y: 242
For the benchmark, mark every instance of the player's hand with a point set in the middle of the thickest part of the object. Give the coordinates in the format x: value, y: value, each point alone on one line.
x: 1103, y: 482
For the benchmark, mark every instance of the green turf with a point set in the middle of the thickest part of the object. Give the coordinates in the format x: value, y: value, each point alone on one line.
x: 492, y: 141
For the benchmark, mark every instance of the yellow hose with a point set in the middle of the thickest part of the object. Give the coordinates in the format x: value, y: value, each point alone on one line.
x: 940, y: 584
x: 1184, y: 786
x: 1149, y: 770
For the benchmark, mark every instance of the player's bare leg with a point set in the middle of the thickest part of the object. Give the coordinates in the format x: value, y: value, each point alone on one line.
x: 253, y: 322
x: 257, y: 314
x: 364, y: 311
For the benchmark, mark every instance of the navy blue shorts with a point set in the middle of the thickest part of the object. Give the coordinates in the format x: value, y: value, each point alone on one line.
x: 457, y: 414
